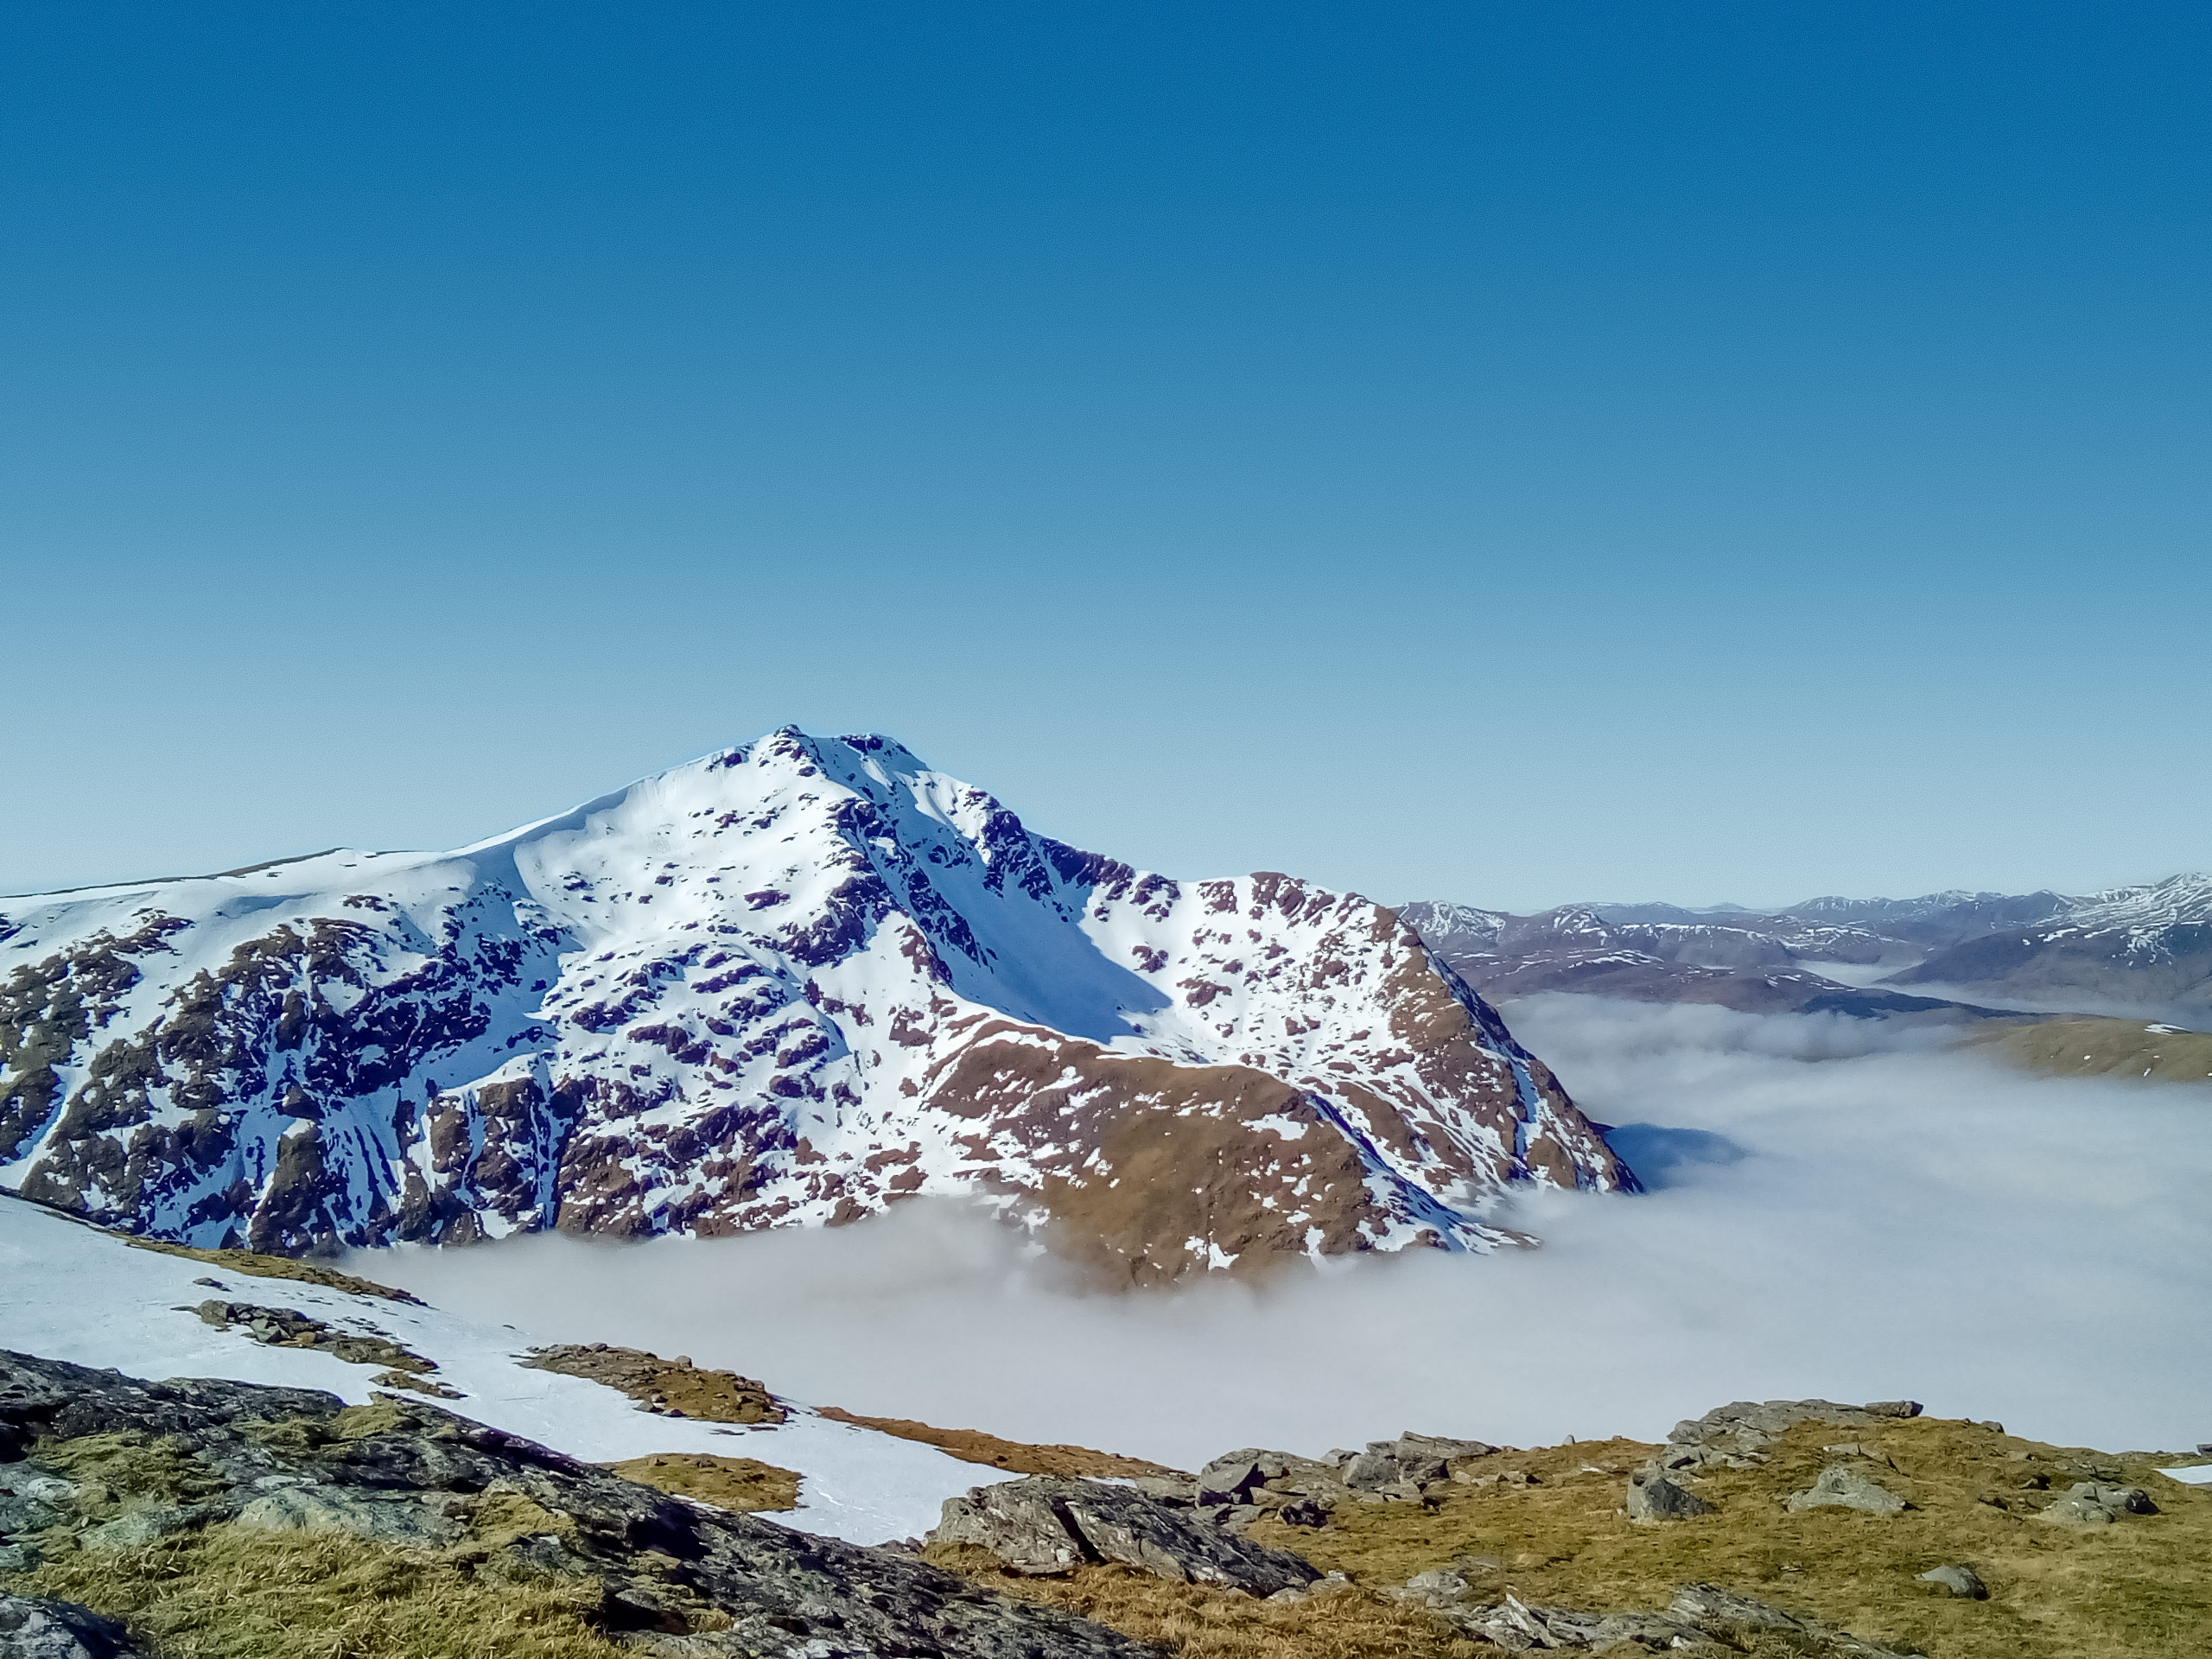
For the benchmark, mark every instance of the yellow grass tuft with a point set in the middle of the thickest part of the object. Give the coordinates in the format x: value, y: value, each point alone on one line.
x: 743, y: 1484
x: 230, y: 1593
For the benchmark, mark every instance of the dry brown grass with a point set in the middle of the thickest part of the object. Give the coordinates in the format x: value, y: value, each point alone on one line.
x: 2109, y: 1048
x: 674, y: 1387
x: 1017, y: 1457
x: 743, y: 1483
x: 2142, y: 1587
x: 1198, y: 1622
x: 227, y: 1594
x: 256, y: 1265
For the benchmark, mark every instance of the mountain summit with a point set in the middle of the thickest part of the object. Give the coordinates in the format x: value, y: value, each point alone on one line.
x: 789, y: 983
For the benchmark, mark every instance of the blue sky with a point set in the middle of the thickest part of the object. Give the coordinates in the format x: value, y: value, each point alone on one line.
x: 1511, y: 453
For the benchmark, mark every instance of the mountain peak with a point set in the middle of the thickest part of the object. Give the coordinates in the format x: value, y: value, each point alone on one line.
x: 792, y: 981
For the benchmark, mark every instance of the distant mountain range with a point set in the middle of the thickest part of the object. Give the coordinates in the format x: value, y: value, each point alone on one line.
x: 793, y: 982
x: 2144, y: 947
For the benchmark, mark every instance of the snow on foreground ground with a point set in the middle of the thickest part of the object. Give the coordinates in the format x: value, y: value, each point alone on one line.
x: 70, y: 1292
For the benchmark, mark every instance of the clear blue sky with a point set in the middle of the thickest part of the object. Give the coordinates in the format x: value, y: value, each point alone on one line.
x: 1506, y: 453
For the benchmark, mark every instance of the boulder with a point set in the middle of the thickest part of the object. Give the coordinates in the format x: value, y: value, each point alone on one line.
x: 1019, y: 1523
x: 2099, y: 1503
x: 1892, y: 1409
x: 1842, y: 1488
x: 1226, y: 1479
x: 1652, y: 1497
x: 1047, y: 1524
x: 1440, y: 1581
x: 1961, y: 1581
x: 32, y: 1627
x: 1410, y: 1444
x: 1168, y: 1488
x: 1370, y: 1471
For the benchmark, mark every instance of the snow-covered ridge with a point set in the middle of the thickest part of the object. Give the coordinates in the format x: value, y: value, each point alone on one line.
x: 70, y: 1292
x: 786, y: 983
x: 2147, y: 947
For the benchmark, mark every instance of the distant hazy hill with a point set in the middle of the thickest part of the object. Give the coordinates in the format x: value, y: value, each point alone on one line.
x: 2146, y: 946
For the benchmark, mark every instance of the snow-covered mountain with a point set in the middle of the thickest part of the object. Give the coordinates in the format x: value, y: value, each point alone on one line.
x: 2150, y: 945
x: 789, y: 983
x: 2147, y: 946
x: 1755, y: 964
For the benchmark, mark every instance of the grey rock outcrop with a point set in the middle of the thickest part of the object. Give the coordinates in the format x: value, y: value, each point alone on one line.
x: 1239, y: 1486
x: 1723, y: 1613
x: 1960, y: 1581
x: 674, y: 1578
x: 1652, y: 1497
x: 32, y: 1627
x: 407, y: 1521
x: 1047, y: 1524
x: 1735, y: 1436
x: 1841, y: 1487
x: 1701, y: 1616
x: 2099, y: 1503
x: 135, y: 1528
x: 1403, y: 1468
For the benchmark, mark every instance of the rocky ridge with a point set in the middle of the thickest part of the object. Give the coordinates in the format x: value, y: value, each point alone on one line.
x: 2147, y: 946
x: 792, y: 983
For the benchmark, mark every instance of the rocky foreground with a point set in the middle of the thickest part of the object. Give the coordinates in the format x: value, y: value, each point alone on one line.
x: 217, y: 1518
x: 114, y: 1491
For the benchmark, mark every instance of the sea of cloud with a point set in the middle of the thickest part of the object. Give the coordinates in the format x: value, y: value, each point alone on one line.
x: 1837, y: 1209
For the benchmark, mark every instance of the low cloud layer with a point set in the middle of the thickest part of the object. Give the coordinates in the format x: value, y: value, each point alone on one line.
x: 1837, y: 1210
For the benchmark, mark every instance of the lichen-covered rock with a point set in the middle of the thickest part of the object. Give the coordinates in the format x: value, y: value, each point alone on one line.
x: 2099, y: 1503
x: 1047, y: 1525
x: 135, y: 1528
x: 33, y: 1627
x: 400, y: 1520
x: 1713, y: 1612
x: 1735, y: 1436
x: 1653, y: 1497
x: 1957, y: 1580
x: 1842, y: 1487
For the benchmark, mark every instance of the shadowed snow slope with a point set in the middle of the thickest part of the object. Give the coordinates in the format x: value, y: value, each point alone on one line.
x: 69, y: 1292
x: 789, y: 983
